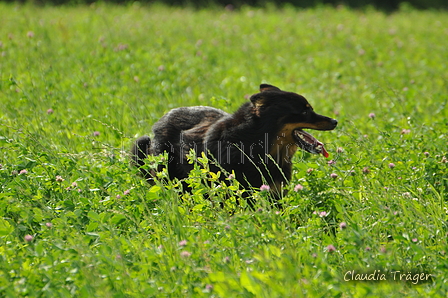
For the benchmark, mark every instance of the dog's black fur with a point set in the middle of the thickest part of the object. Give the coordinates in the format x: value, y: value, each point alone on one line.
x: 257, y: 142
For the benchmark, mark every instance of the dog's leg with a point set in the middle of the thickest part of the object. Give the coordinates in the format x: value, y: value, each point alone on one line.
x: 140, y: 150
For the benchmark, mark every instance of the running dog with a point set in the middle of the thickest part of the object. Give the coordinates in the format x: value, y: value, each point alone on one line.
x: 256, y: 143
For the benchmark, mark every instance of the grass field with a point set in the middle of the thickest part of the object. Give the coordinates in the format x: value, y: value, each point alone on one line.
x: 78, y: 84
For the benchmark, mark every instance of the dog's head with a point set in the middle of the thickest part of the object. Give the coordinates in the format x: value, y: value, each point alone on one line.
x: 291, y: 113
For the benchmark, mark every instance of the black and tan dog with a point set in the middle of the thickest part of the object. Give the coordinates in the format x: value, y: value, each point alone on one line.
x: 257, y: 142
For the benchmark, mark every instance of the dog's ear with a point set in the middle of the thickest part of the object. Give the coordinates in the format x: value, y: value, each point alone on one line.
x: 257, y: 99
x: 258, y: 103
x: 267, y: 87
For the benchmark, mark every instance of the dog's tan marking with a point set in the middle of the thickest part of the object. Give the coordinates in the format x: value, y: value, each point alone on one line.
x: 284, y: 145
x: 257, y: 105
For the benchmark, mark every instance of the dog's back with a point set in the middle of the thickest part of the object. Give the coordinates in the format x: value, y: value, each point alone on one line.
x: 183, y: 126
x: 177, y: 132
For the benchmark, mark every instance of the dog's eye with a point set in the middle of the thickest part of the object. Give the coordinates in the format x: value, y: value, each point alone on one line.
x: 305, y: 112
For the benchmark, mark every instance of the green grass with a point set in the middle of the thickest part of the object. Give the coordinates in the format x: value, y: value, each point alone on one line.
x: 99, y: 230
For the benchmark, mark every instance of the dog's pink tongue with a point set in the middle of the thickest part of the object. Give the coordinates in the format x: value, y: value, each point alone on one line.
x: 324, y: 152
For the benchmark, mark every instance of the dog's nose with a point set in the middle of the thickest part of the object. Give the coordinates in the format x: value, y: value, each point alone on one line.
x: 334, y: 122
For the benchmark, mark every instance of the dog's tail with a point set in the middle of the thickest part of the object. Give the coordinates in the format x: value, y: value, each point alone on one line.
x: 140, y: 151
